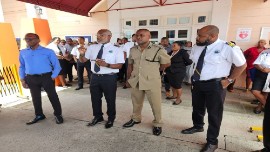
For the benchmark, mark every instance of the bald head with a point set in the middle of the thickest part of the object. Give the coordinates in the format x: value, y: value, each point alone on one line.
x: 207, y: 35
x: 211, y: 29
x: 104, y: 36
x: 143, y: 36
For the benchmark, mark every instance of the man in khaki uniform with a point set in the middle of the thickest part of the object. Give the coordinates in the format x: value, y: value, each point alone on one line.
x: 144, y: 63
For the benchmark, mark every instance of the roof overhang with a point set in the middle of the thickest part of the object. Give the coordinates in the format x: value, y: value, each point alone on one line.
x: 80, y: 7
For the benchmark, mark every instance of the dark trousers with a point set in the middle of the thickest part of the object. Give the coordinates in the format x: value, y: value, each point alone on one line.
x: 210, y: 96
x: 80, y: 71
x: 69, y: 70
x: 35, y: 83
x: 99, y: 85
x: 126, y: 70
x: 166, y: 82
x: 122, y: 73
x: 266, y: 125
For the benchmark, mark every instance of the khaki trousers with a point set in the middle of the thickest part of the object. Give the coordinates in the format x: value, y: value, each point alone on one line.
x: 154, y: 98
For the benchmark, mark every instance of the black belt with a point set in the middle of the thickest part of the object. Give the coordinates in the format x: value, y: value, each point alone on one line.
x: 39, y: 75
x: 211, y: 80
x: 102, y: 75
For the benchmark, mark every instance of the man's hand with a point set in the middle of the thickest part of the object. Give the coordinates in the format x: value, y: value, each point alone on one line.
x: 225, y: 83
x: 82, y: 50
x: 266, y: 70
x: 24, y: 84
x: 101, y: 62
x: 128, y: 85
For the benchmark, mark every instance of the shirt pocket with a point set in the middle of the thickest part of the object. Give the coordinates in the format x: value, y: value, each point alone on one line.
x: 109, y: 58
x: 214, y: 58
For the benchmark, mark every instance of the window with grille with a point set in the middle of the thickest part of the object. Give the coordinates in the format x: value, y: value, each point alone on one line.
x: 142, y: 22
x: 154, y: 34
x: 154, y: 22
x: 182, y: 33
x: 170, y: 33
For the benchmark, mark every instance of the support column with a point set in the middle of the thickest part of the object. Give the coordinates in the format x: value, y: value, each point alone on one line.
x: 1, y: 12
x: 221, y: 16
x: 9, y: 52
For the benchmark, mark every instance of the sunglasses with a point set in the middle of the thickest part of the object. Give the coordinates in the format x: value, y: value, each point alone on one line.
x: 29, y: 39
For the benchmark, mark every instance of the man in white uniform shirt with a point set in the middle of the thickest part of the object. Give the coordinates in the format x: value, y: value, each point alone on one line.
x: 81, y: 65
x: 106, y: 60
x: 126, y: 48
x: 213, y: 59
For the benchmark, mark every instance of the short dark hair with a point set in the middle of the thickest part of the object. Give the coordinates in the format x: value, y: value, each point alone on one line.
x: 124, y: 38
x: 164, y: 38
x: 33, y: 34
x: 133, y: 35
x: 81, y: 37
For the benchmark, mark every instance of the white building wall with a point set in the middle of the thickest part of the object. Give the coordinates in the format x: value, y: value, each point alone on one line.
x: 13, y: 12
x: 1, y: 12
x: 61, y: 23
x: 216, y: 12
x: 221, y: 16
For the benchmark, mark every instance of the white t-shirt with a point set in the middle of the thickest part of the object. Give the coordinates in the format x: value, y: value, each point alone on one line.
x: 111, y: 55
x: 54, y: 47
x: 127, y: 46
x: 75, y: 51
x: 263, y: 59
x: 218, y: 59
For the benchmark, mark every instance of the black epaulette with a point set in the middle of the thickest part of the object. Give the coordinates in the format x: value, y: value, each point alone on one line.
x: 230, y: 44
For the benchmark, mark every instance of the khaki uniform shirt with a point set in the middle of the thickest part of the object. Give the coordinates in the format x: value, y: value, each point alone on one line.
x: 146, y: 66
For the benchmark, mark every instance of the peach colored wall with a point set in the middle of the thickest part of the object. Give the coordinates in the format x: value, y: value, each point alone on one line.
x: 253, y: 14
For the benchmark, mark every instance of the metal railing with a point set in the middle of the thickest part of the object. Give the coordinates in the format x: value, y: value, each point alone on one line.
x: 9, y: 81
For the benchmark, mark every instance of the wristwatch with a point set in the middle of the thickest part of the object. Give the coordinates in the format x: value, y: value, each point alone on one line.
x: 230, y: 80
x: 108, y: 65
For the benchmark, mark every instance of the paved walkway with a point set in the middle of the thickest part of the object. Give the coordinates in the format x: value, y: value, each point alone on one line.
x: 74, y: 136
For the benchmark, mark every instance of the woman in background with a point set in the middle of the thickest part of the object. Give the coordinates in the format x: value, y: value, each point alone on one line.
x: 60, y: 53
x: 177, y: 71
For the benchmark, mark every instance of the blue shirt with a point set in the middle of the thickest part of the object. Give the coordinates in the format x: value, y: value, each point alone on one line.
x: 41, y: 60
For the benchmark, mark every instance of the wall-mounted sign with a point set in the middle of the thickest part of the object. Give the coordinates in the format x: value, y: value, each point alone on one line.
x: 87, y: 38
x: 243, y: 34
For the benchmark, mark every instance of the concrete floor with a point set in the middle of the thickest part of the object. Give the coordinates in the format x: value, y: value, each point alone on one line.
x: 74, y: 136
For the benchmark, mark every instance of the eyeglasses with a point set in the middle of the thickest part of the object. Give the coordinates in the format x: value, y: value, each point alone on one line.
x: 29, y: 39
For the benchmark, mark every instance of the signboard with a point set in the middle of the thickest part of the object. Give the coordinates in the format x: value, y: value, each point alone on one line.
x: 87, y: 38
x: 243, y: 34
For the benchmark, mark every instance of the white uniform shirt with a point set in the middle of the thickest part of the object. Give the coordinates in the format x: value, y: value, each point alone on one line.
x: 75, y: 51
x: 69, y: 47
x: 263, y: 59
x: 56, y: 48
x: 218, y: 59
x: 111, y: 55
x: 127, y: 47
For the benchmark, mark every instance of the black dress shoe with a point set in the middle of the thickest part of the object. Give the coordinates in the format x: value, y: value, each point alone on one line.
x: 108, y: 124
x: 36, y: 119
x: 192, y: 130
x: 209, y: 148
x: 59, y: 119
x: 130, y: 123
x: 78, y: 88
x: 157, y: 131
x: 95, y: 121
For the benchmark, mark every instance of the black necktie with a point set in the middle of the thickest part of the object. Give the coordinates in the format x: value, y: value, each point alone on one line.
x: 99, y: 56
x: 198, y: 70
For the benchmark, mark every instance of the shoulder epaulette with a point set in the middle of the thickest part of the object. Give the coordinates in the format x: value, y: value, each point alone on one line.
x: 230, y: 44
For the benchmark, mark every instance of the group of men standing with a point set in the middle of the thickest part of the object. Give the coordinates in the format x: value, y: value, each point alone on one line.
x: 212, y: 57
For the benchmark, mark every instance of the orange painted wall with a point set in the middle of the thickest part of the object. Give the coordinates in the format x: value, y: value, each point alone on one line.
x: 42, y: 28
x: 38, y: 26
x: 9, y: 52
